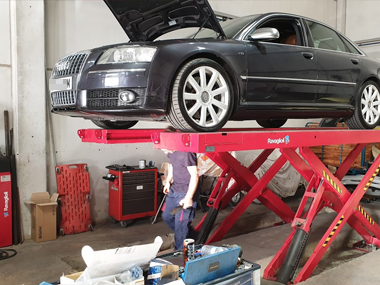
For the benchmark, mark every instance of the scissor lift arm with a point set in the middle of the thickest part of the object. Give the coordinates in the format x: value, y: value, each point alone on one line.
x: 324, y: 188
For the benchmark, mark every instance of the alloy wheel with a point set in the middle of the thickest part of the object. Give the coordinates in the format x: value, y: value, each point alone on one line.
x: 370, y: 104
x: 206, y: 96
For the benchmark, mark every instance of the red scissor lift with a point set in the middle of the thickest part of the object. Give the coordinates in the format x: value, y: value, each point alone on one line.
x: 324, y: 189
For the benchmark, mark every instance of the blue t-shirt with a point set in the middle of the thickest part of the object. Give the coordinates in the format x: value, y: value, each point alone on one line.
x: 181, y: 177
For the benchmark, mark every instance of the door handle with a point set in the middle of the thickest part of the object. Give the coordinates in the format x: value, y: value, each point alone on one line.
x: 308, y: 55
x: 354, y: 61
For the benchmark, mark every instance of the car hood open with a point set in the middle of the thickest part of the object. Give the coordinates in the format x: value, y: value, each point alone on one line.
x: 146, y: 20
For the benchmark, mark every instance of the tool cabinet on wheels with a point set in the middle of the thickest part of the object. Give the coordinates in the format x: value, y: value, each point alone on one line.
x: 132, y: 192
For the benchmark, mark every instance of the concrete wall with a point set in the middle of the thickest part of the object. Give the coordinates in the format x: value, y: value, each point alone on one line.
x: 322, y: 10
x: 29, y: 105
x: 5, y: 68
x: 362, y: 22
x: 362, y: 19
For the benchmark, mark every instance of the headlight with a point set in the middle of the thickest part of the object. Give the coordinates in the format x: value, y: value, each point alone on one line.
x: 128, y: 54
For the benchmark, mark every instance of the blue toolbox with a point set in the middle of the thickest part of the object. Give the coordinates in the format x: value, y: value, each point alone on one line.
x: 219, y: 268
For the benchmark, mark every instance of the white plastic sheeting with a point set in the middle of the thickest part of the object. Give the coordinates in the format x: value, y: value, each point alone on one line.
x: 285, y: 182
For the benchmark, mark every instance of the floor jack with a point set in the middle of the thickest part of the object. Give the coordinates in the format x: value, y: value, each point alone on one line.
x: 325, y: 189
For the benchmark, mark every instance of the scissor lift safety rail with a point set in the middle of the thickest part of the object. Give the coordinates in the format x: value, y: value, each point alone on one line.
x: 324, y: 188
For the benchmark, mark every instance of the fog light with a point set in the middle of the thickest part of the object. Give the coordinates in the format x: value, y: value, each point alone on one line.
x: 126, y: 96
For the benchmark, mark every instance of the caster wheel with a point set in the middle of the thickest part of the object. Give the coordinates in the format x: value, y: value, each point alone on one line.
x: 236, y: 199
x: 127, y: 223
x: 90, y: 227
x: 61, y: 231
x: 88, y: 198
x: 113, y: 220
x: 58, y: 170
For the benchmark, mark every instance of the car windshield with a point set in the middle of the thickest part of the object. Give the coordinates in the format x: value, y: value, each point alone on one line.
x: 230, y: 27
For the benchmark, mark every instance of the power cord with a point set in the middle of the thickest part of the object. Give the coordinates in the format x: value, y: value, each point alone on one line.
x: 7, y: 253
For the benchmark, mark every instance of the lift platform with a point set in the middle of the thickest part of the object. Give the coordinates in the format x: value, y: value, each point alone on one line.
x: 324, y: 188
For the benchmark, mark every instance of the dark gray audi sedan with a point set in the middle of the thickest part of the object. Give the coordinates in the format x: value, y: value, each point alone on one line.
x: 268, y: 68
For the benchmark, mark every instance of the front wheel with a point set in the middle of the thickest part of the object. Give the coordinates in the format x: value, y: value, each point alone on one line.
x: 201, y: 99
x: 367, y: 107
x: 115, y: 125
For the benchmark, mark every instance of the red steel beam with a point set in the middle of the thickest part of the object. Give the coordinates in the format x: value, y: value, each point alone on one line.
x: 117, y: 136
x: 232, y: 139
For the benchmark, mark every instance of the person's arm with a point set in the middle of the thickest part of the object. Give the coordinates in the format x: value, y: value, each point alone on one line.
x: 187, y: 201
x: 169, y: 179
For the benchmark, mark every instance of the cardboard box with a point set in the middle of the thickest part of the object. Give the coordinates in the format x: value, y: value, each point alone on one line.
x: 44, y: 216
x: 72, y: 278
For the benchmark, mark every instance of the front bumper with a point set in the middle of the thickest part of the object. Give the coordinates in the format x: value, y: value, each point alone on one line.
x: 95, y: 94
x: 112, y: 115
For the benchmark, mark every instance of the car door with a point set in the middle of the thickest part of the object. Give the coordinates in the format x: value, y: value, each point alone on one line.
x: 282, y: 74
x: 338, y: 67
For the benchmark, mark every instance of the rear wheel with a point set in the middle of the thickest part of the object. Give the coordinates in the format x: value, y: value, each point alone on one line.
x: 116, y: 125
x: 201, y: 98
x: 271, y: 123
x: 367, y: 107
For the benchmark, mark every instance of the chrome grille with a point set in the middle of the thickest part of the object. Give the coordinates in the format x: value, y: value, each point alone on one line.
x: 109, y: 98
x: 63, y: 98
x: 69, y: 65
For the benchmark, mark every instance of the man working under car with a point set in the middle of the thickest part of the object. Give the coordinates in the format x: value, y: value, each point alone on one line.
x: 181, y: 188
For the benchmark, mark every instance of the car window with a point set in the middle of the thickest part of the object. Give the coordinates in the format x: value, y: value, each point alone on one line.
x: 350, y: 46
x: 325, y: 38
x: 289, y: 29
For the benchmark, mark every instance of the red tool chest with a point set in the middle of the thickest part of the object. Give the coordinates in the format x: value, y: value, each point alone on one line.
x: 5, y: 204
x: 132, y: 192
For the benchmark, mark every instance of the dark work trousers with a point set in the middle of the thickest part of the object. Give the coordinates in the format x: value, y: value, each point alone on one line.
x: 180, y: 223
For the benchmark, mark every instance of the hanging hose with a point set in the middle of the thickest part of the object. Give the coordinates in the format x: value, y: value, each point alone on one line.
x: 7, y: 253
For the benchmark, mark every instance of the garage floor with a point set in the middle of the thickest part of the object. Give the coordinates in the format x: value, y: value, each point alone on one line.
x: 37, y: 262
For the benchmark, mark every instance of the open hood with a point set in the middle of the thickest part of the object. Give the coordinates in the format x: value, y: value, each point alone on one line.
x: 146, y: 20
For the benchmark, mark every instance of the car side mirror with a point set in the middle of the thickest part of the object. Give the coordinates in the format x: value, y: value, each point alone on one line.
x: 264, y: 34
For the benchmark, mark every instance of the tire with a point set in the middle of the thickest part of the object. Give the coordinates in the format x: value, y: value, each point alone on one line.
x: 329, y: 122
x: 201, y: 105
x: 271, y: 123
x: 115, y: 125
x: 236, y: 199
x: 367, y: 107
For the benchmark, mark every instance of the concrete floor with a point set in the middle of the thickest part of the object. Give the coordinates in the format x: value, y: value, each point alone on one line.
x: 47, y: 261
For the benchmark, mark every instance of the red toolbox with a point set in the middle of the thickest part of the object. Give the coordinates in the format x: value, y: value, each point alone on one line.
x: 73, y: 187
x: 132, y: 192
